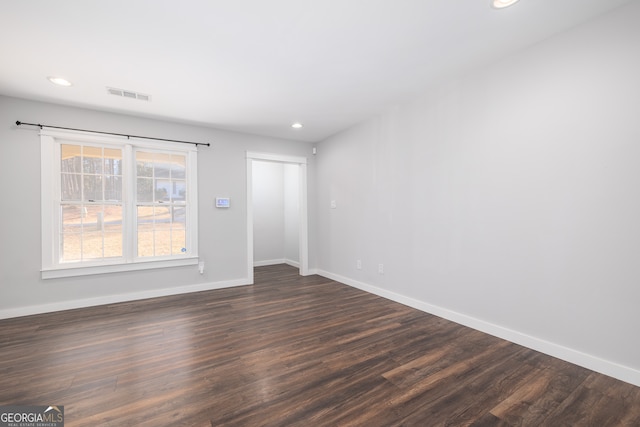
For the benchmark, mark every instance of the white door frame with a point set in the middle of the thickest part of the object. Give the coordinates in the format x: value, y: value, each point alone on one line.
x: 303, y: 222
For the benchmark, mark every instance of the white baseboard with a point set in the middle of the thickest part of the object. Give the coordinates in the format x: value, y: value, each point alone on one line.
x: 292, y: 263
x: 269, y: 262
x: 606, y: 367
x: 111, y: 299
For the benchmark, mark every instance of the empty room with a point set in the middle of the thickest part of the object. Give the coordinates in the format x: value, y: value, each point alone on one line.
x: 336, y: 213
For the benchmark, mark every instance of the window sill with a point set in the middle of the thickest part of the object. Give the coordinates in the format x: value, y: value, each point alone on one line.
x: 71, y: 271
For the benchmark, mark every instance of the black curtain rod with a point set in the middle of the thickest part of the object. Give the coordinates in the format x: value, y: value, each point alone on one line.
x: 111, y: 133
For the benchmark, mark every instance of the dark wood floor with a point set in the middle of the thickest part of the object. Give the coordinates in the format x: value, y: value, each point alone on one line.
x: 292, y: 350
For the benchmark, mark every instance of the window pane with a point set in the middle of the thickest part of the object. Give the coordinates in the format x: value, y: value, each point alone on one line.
x: 178, y: 231
x: 112, y: 215
x: 145, y: 169
x: 72, y: 219
x: 112, y: 161
x: 179, y: 191
x: 178, y: 244
x: 178, y: 166
x: 163, y: 240
x: 113, y: 187
x: 113, y: 231
x: 71, y: 186
x: 155, y: 231
x: 71, y: 180
x: 162, y: 165
x: 92, y: 160
x: 162, y: 215
x: 91, y: 232
x: 145, y: 189
x: 178, y: 217
x: 163, y: 189
x: 145, y: 215
x: 70, y: 158
x: 144, y: 163
x: 70, y: 247
x: 145, y: 244
x: 113, y: 244
x: 162, y: 230
x: 92, y: 186
x: 71, y: 237
x: 145, y: 230
x: 92, y: 245
x: 92, y: 218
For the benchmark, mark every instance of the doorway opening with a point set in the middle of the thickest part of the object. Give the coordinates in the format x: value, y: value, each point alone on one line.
x: 276, y: 211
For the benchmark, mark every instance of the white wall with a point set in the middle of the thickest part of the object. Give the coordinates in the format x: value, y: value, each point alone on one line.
x: 275, y: 213
x: 222, y: 232
x: 268, y: 212
x: 507, y: 199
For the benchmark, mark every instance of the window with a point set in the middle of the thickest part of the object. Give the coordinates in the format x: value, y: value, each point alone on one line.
x: 90, y: 203
x: 161, y: 203
x: 113, y: 204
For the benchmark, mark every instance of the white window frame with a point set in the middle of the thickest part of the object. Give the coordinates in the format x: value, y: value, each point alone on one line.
x: 50, y: 141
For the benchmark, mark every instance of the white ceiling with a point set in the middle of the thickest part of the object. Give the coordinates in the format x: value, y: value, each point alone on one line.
x: 257, y: 66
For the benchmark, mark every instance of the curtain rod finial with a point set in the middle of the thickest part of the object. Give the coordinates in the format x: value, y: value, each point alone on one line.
x: 18, y: 122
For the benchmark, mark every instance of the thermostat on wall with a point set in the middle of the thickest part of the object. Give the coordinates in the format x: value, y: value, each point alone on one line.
x: 222, y: 202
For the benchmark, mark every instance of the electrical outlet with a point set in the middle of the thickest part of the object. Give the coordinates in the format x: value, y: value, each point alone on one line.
x: 359, y: 264
x: 380, y: 268
x: 333, y: 204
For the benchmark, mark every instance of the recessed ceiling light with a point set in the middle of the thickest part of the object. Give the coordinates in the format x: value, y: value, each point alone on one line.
x: 500, y: 4
x: 296, y: 125
x: 59, y: 81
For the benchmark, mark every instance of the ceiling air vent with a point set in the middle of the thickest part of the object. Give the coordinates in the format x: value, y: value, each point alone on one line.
x: 128, y: 94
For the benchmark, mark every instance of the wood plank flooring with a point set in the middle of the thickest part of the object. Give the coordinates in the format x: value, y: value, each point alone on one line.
x: 292, y: 351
